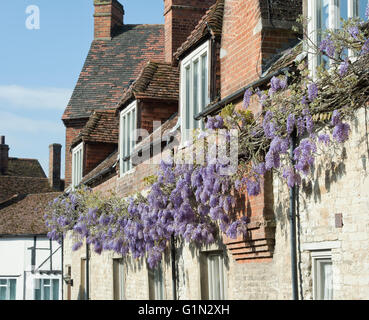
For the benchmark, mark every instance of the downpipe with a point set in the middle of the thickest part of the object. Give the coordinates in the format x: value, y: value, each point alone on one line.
x: 292, y: 214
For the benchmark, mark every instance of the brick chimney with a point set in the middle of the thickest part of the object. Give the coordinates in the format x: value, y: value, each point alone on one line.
x: 108, y: 15
x: 55, y: 166
x: 181, y: 18
x: 4, y: 156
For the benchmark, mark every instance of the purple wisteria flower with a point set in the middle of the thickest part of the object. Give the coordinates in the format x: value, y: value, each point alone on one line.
x: 291, y: 176
x: 216, y: 122
x: 344, y: 67
x: 277, y: 84
x: 247, y: 98
x: 259, y: 168
x: 365, y: 48
x: 291, y: 121
x: 253, y: 187
x: 367, y: 11
x: 324, y: 138
x: 327, y: 47
x: 341, y: 132
x: 304, y: 155
x: 354, y: 32
x: 312, y: 91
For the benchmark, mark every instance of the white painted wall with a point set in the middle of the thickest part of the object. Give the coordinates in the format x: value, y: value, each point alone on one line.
x: 15, y: 263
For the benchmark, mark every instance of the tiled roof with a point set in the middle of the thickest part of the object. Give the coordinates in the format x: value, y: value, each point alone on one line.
x: 285, y: 58
x: 11, y: 185
x: 108, y: 163
x: 23, y: 214
x: 157, y: 80
x: 103, y: 126
x: 25, y: 168
x: 210, y: 23
x: 282, y: 10
x: 111, y: 65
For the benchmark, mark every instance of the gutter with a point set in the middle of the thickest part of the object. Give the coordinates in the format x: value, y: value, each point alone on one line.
x: 237, y: 94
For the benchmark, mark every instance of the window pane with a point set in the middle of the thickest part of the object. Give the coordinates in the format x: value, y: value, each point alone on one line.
x: 326, y: 280
x: 55, y: 289
x: 37, y: 294
x: 13, y: 283
x: 343, y: 5
x: 46, y: 292
x: 3, y: 282
x: 195, y: 90
x: 360, y: 8
x: 2, y: 293
x: 204, y: 81
x: 188, y: 102
x: 322, y: 24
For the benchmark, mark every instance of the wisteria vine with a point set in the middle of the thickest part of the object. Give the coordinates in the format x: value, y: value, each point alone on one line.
x: 195, y: 202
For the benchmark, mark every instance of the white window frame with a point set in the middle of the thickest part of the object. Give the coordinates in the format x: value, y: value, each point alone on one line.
x: 186, y: 63
x: 124, y: 148
x: 40, y: 282
x: 318, y: 258
x: 77, y: 165
x: 7, y: 286
x: 120, y: 273
x: 156, y: 280
x: 333, y: 23
x: 209, y: 264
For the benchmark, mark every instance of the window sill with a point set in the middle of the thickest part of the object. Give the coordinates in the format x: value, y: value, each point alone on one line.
x: 121, y: 176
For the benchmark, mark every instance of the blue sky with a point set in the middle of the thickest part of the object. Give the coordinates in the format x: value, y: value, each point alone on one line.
x: 39, y: 68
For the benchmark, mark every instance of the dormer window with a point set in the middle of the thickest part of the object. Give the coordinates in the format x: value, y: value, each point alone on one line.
x: 127, y: 140
x: 195, y: 95
x: 327, y: 14
x: 77, y: 165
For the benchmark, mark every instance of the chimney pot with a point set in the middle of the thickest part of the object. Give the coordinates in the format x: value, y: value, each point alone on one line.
x: 55, y: 166
x: 4, y: 156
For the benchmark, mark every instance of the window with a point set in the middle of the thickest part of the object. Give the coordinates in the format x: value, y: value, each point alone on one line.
x: 8, y: 289
x: 213, y: 283
x: 77, y: 165
x: 46, y: 289
x: 128, y: 127
x: 322, y: 275
x: 156, y: 283
x: 327, y: 14
x: 82, y: 295
x: 118, y: 279
x: 194, y: 88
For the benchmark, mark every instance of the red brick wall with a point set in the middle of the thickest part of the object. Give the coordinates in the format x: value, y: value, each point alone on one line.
x: 181, y: 18
x: 241, y: 47
x: 108, y: 14
x: 247, y: 44
x: 155, y: 111
x: 73, y: 128
x: 94, y: 154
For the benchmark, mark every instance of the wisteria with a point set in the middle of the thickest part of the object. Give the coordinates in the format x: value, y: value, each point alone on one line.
x: 196, y: 202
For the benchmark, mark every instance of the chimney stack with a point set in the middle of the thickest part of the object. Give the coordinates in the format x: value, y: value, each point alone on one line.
x: 4, y: 156
x: 181, y: 18
x: 108, y: 15
x: 55, y: 166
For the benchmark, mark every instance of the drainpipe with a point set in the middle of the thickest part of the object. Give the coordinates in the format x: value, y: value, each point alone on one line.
x: 62, y: 268
x: 174, y: 276
x: 87, y: 272
x: 293, y: 224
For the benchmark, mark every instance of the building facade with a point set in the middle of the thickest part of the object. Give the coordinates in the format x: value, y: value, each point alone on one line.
x: 233, y: 46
